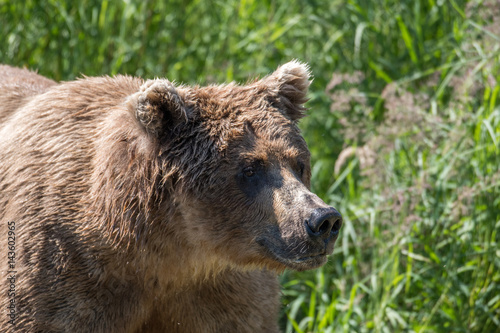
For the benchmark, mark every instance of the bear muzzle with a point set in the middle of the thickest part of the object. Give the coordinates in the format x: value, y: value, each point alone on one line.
x: 307, y: 245
x: 321, y: 231
x: 306, y: 228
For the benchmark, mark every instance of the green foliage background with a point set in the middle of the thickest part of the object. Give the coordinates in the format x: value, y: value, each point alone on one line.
x: 405, y: 139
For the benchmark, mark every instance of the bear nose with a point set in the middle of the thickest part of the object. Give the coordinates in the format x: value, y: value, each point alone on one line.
x: 323, y: 223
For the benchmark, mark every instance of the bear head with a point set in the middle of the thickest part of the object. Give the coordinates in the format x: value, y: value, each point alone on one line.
x: 237, y: 170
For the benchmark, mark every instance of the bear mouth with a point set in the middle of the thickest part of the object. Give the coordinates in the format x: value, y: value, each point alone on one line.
x: 293, y: 261
x: 304, y: 263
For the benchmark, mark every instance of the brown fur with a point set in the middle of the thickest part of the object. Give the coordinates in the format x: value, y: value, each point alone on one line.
x: 131, y: 209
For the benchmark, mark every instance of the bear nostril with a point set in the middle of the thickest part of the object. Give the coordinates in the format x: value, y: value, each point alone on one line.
x: 324, y: 227
x: 336, y: 226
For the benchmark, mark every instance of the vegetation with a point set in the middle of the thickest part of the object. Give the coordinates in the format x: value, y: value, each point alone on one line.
x: 404, y: 129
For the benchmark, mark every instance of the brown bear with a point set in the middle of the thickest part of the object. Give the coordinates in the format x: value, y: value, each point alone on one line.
x: 143, y: 206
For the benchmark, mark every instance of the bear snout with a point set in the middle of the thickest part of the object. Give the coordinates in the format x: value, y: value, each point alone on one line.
x: 323, y: 224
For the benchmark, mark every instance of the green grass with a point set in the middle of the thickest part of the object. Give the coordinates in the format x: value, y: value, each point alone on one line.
x: 417, y: 130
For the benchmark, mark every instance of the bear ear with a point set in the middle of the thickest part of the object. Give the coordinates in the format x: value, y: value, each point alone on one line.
x: 159, y: 105
x: 288, y: 87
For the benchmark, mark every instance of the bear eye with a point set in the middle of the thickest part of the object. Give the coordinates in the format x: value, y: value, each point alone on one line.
x: 249, y: 171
